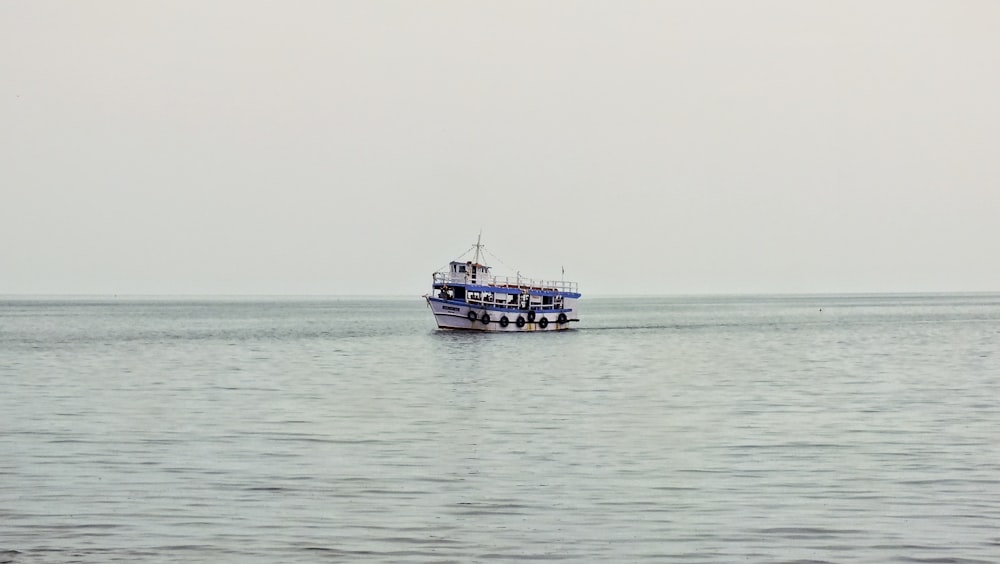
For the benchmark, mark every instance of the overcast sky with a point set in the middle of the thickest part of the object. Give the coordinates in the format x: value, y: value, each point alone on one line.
x: 241, y: 147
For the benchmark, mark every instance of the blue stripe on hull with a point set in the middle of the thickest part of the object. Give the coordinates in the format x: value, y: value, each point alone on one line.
x: 494, y: 308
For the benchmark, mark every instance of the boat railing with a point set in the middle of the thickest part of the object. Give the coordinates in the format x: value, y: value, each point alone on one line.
x: 519, y: 282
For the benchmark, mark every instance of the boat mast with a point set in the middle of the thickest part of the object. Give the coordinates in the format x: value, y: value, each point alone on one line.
x: 478, y: 246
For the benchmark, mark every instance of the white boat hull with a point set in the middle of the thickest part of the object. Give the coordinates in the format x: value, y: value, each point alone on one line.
x: 451, y: 314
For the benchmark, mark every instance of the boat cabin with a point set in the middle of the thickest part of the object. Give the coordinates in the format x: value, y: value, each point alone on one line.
x: 472, y: 272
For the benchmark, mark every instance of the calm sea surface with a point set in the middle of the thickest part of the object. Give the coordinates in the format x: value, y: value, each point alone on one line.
x: 687, y: 429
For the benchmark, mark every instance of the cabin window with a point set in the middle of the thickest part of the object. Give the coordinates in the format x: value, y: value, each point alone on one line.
x: 461, y: 268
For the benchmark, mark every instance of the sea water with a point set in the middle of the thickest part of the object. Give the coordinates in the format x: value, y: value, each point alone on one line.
x: 687, y: 429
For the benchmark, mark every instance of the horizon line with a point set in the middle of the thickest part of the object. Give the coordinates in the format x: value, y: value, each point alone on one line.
x: 407, y: 295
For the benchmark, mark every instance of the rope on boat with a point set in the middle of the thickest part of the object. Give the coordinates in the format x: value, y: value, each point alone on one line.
x: 444, y: 268
x: 505, y: 265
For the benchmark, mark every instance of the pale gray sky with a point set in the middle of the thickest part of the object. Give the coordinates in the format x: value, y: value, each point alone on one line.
x: 246, y: 147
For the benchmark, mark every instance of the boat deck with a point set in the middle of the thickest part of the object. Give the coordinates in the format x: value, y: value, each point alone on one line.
x: 509, y: 282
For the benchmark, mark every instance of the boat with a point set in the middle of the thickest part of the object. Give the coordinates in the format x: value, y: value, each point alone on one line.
x: 467, y: 296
